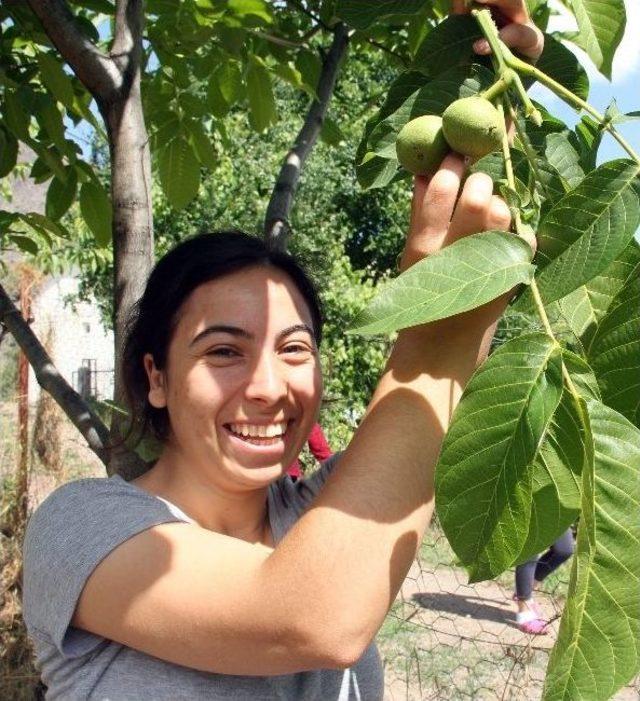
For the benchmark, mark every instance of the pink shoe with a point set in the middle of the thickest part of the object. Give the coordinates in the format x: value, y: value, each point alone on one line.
x: 534, y: 627
x: 531, y: 622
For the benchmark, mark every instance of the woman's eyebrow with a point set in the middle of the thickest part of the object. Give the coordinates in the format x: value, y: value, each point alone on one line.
x: 221, y: 328
x: 296, y: 327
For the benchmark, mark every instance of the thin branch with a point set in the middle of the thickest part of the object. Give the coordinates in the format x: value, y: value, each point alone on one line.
x: 276, y: 225
x: 97, y: 71
x: 391, y: 52
x: 85, y: 420
x: 299, y: 6
x: 279, y: 41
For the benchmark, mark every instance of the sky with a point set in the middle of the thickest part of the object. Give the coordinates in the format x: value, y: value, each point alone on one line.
x: 624, y: 85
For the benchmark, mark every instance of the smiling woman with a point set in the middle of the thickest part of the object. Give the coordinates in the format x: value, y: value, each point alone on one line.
x: 178, y: 585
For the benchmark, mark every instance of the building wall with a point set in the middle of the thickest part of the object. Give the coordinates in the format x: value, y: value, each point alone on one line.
x: 78, y: 336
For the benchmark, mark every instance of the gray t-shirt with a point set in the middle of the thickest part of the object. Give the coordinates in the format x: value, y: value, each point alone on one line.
x: 81, y: 523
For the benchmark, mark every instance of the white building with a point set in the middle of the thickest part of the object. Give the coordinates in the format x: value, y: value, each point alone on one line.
x: 81, y: 347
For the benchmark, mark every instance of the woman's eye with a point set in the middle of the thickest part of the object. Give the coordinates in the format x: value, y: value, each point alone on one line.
x: 222, y: 352
x: 297, y: 348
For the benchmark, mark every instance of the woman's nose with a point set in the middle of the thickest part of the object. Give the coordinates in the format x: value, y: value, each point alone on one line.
x: 267, y: 382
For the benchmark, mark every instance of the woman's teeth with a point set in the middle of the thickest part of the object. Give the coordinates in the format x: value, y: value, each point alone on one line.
x: 259, y: 431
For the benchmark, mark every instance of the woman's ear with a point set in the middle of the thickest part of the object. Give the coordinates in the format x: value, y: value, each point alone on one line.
x: 157, y: 396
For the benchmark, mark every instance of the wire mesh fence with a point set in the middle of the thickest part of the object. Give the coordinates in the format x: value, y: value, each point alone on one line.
x: 448, y: 640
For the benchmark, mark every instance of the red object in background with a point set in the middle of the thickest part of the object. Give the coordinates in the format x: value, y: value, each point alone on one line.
x: 319, y: 448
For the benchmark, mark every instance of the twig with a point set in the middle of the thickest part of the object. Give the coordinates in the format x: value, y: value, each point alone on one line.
x: 276, y: 225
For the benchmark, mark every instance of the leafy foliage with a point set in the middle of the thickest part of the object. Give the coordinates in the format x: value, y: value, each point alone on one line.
x: 543, y: 427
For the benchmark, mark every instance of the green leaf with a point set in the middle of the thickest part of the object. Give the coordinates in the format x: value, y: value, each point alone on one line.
x: 256, y: 8
x: 584, y: 308
x: 202, y: 145
x: 587, y: 139
x: 588, y: 228
x: 556, y: 473
x: 56, y: 80
x: 61, y: 194
x: 44, y: 226
x: 598, y: 646
x: 449, y: 44
x: 50, y: 119
x: 309, y: 66
x: 15, y: 117
x: 331, y: 133
x: 374, y: 171
x: 399, y: 91
x: 230, y: 83
x: 462, y: 276
x: 614, y: 352
x: 261, y: 100
x: 581, y: 375
x: 95, y: 206
x: 179, y: 172
x: 24, y: 243
x: 562, y: 156
x: 215, y: 99
x: 483, y: 480
x: 601, y: 26
x: 561, y: 64
x: 8, y: 152
x: 361, y: 15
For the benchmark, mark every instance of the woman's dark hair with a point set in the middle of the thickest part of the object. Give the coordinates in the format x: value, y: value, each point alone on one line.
x: 176, y: 275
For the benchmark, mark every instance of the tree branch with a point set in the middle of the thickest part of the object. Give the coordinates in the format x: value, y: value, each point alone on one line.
x: 97, y: 71
x: 126, y: 50
x: 85, y: 420
x: 276, y: 225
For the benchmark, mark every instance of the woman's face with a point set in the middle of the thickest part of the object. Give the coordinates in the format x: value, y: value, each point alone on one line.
x: 242, y: 384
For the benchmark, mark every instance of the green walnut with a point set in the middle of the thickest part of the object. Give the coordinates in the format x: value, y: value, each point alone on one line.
x: 473, y: 127
x: 421, y: 146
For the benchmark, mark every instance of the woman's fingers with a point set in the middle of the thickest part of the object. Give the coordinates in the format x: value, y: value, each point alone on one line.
x: 432, y: 207
x: 473, y: 209
x: 527, y: 39
x: 498, y: 215
x: 517, y: 32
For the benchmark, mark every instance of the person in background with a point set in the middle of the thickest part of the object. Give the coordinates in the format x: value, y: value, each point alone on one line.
x: 530, y: 574
x: 319, y: 448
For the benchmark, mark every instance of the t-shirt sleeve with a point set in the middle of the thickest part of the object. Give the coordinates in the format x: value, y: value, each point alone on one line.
x: 309, y: 487
x: 71, y: 532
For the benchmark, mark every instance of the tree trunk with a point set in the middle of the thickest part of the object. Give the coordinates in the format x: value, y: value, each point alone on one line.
x: 133, y: 243
x: 114, y: 81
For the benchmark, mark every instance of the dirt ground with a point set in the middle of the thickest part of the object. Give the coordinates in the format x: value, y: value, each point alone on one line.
x: 467, y: 642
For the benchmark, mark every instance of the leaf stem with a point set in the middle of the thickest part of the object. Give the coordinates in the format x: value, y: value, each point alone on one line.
x: 571, y: 98
x: 490, y: 31
x: 502, y: 56
x: 528, y: 149
x: 508, y: 165
x: 495, y: 90
x: 506, y: 154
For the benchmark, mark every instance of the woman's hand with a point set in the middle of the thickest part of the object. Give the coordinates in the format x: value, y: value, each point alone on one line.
x: 439, y: 218
x: 517, y: 30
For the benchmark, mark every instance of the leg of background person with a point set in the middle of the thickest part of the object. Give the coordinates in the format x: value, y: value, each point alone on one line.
x: 529, y: 617
x: 524, y: 579
x: 558, y: 553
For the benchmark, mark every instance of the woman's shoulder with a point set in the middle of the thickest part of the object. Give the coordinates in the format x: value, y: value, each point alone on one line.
x: 96, y: 508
